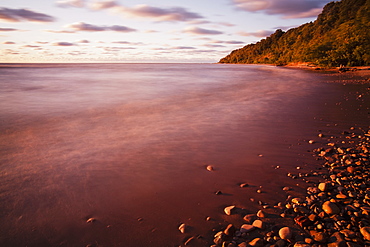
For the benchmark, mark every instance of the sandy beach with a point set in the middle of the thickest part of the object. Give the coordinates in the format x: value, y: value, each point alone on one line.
x: 74, y: 179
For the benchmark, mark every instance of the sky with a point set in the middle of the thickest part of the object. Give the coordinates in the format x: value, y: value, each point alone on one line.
x: 138, y: 31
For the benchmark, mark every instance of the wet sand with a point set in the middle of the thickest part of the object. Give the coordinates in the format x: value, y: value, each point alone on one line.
x: 49, y: 204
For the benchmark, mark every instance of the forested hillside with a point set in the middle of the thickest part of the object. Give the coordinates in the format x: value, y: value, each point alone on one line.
x: 339, y: 36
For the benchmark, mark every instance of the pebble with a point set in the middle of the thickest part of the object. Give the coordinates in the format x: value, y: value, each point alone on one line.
x: 323, y: 186
x: 210, y: 168
x: 320, y: 237
x: 230, y: 230
x: 189, y: 240
x: 228, y: 210
x: 90, y: 220
x: 259, y: 224
x: 330, y: 208
x: 250, y: 218
x: 285, y: 233
x: 247, y: 228
x: 244, y: 185
x: 257, y: 242
x: 261, y: 214
x: 365, y: 231
x: 182, y: 228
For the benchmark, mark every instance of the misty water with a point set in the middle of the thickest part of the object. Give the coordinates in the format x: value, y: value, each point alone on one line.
x: 127, y: 145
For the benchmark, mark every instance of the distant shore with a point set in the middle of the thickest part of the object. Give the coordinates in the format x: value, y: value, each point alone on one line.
x: 336, y: 69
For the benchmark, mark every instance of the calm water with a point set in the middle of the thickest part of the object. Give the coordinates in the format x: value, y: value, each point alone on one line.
x: 122, y: 142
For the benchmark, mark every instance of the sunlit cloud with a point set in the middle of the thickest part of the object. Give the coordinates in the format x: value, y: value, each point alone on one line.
x: 260, y: 33
x: 82, y: 26
x: 289, y: 9
x: 18, y: 15
x: 3, y: 29
x: 226, y: 24
x: 103, y: 5
x: 84, y: 41
x: 63, y: 44
x: 201, y: 31
x: 31, y: 46
x: 71, y: 3
x: 8, y: 43
x: 160, y: 14
x: 60, y: 31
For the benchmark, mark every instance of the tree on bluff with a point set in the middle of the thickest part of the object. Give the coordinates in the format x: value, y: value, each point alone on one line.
x: 339, y: 36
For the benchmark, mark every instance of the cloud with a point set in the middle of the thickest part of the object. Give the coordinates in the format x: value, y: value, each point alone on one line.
x: 84, y: 41
x: 161, y: 14
x: 104, y: 5
x: 126, y: 43
x: 60, y: 31
x: 82, y: 26
x: 213, y: 46
x: 289, y: 9
x: 3, y: 29
x: 17, y: 15
x: 8, y: 43
x: 229, y: 42
x: 234, y: 42
x: 201, y: 31
x: 71, y: 3
x: 227, y: 24
x: 260, y: 33
x: 184, y: 48
x: 31, y: 46
x: 63, y: 44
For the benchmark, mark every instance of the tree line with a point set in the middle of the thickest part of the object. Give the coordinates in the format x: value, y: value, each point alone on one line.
x: 339, y: 36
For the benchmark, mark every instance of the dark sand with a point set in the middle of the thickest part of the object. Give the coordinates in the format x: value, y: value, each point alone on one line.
x: 151, y: 212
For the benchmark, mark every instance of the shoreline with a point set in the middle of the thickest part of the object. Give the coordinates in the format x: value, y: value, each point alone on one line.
x: 332, y: 69
x: 334, y: 211
x: 334, y: 208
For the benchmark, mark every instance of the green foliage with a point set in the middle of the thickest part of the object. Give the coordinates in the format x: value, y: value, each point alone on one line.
x: 339, y: 36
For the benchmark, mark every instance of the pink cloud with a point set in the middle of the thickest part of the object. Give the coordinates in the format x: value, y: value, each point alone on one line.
x: 289, y: 9
x: 82, y: 26
x: 17, y: 15
x: 161, y: 14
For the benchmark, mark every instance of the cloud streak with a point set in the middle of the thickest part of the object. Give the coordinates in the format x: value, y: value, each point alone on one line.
x: 289, y: 9
x: 4, y: 29
x: 260, y: 33
x: 202, y: 31
x: 160, y: 14
x: 82, y: 26
x: 18, y: 15
x: 63, y: 44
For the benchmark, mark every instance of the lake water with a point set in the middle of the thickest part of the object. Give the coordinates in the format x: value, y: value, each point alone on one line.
x: 127, y: 145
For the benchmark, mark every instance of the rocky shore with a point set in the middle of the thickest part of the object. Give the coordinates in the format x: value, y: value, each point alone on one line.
x: 335, y: 211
